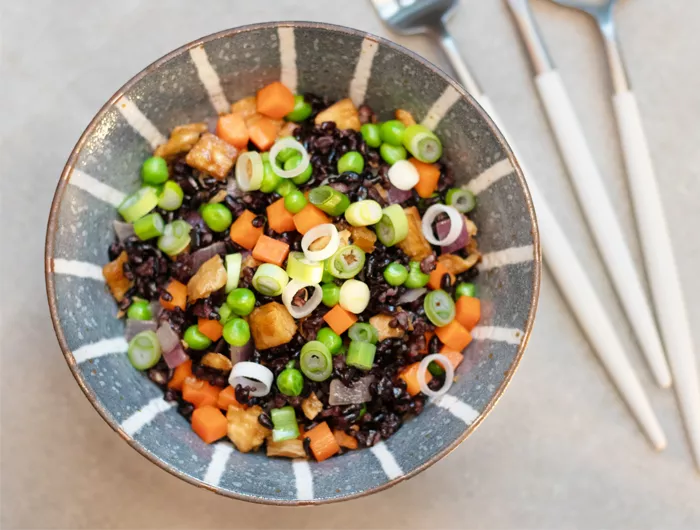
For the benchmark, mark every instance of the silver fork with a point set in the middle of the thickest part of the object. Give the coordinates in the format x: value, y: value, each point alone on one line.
x: 428, y: 16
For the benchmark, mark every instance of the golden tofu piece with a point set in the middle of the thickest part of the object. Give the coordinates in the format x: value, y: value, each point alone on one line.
x: 250, y: 261
x: 288, y: 448
x: 363, y: 237
x: 271, y: 325
x: 217, y: 361
x: 384, y: 330
x: 415, y: 245
x: 210, y: 277
x: 311, y: 406
x: 405, y: 117
x: 246, y: 107
x: 181, y: 140
x: 244, y: 429
x: 287, y: 129
x: 343, y: 113
x: 114, y: 276
x: 212, y: 155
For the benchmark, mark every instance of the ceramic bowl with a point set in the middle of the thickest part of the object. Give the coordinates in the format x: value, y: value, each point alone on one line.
x: 197, y: 81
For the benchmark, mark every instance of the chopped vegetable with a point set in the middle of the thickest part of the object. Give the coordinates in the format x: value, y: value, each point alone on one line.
x: 138, y: 204
x: 255, y: 376
x: 288, y: 148
x: 465, y: 289
x: 454, y: 264
x: 454, y: 357
x: 178, y: 296
x: 351, y: 161
x: 212, y: 156
x: 294, y: 202
x: 339, y: 319
x: 309, y: 218
x: 363, y: 213
x: 395, y: 274
x: 114, y: 276
x: 269, y: 250
x: 285, y: 421
x: 139, y: 310
x: 236, y: 332
x: 217, y: 217
x: 331, y: 294
x: 393, y: 226
x: 250, y: 171
x: 346, y: 262
x: 263, y: 132
x: 144, y: 350
x: 403, y: 175
x: 195, y: 339
x: 456, y: 226
x: 329, y: 200
x: 330, y: 339
x: 422, y: 143
x: 275, y: 100
x: 454, y: 336
x: 295, y: 165
x: 323, y: 444
x: 181, y: 140
x: 244, y: 232
x: 209, y: 423
x: 154, y: 170
x: 217, y: 361
x: 149, y: 226
x: 232, y: 129
x: 440, y: 270
x: 200, y: 393
x: 363, y: 237
x: 176, y: 237
x: 212, y: 329
x: 392, y: 153
x: 270, y: 280
x: 384, y: 330
x: 468, y: 311
x: 181, y: 373
x: 244, y: 429
x: 286, y: 449
x: 301, y: 110
x: 227, y: 398
x: 392, y: 132
x: 439, y: 307
x: 290, y: 382
x: 171, y: 197
x: 241, y: 301
x: 345, y: 440
x: 354, y: 296
x: 343, y: 113
x: 405, y: 117
x: 410, y: 376
x: 209, y: 278
x: 370, y: 134
x: 299, y: 267
x: 429, y: 174
x: 462, y: 200
x: 361, y: 355
x: 246, y: 107
x: 311, y: 406
x: 233, y: 271
x: 415, y: 245
x: 320, y: 242
x: 316, y: 361
x: 271, y: 325
x: 363, y: 332
x: 279, y: 217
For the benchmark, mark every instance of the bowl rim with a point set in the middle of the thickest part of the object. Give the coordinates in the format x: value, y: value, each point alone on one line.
x: 52, y: 226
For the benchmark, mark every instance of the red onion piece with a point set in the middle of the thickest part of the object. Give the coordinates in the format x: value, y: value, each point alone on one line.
x: 201, y: 256
x: 175, y: 357
x: 348, y: 395
x: 232, y: 188
x: 242, y: 353
x: 156, y: 310
x: 123, y: 230
x: 442, y: 228
x: 411, y: 296
x: 134, y: 327
x: 167, y: 337
x: 397, y: 196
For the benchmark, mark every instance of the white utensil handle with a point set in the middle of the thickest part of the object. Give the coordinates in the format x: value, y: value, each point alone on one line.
x: 602, y: 220
x: 658, y: 253
x: 587, y: 307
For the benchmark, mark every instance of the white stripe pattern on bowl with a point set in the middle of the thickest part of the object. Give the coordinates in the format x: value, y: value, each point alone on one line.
x: 303, y: 479
x: 94, y: 187
x: 492, y: 175
x: 497, y: 334
x: 387, y: 461
x: 81, y: 269
x: 508, y: 256
x: 363, y: 71
x: 288, y: 58
x: 210, y: 79
x: 459, y: 409
x: 217, y: 464
x: 146, y: 415
x: 441, y: 107
x: 100, y: 348
x: 133, y: 115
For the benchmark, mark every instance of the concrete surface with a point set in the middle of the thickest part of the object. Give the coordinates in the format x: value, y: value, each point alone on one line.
x: 559, y: 451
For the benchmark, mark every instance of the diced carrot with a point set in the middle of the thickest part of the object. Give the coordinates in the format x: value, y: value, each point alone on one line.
x: 275, y: 100
x: 345, y: 440
x: 454, y: 336
x: 437, y: 274
x: 339, y: 319
x: 181, y: 373
x: 410, y: 376
x: 262, y: 132
x: 270, y: 250
x: 227, y: 398
x: 209, y: 423
x: 468, y: 311
x: 323, y: 443
x: 232, y: 129
x: 243, y: 232
x: 114, y: 276
x: 211, y: 329
x: 200, y: 393
x: 428, y: 175
x: 178, y: 292
x: 309, y: 217
x: 454, y: 357
x: 279, y: 218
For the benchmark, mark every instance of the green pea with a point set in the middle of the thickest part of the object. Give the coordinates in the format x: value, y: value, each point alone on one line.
x: 392, y: 153
x: 224, y: 313
x: 391, y: 132
x: 301, y: 111
x: 241, y: 301
x: 290, y: 382
x: 351, y: 161
x: 270, y: 179
x: 416, y: 278
x: 285, y: 187
x: 285, y: 154
x: 435, y: 369
x: 154, y: 170
x: 371, y: 135
x: 195, y: 339
x: 217, y: 217
x: 331, y: 340
x: 331, y: 294
x: 395, y: 274
x: 236, y: 332
x: 139, y: 310
x: 327, y: 276
x: 465, y: 289
x: 295, y: 201
x: 293, y: 162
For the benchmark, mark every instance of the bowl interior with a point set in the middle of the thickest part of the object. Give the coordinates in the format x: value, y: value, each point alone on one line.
x: 192, y: 84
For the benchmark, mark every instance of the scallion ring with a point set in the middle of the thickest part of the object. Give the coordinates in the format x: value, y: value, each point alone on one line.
x: 249, y: 171
x: 291, y: 289
x: 327, y: 230
x: 285, y: 424
x: 175, y: 238
x: 393, y: 226
x: 347, y: 262
x: 270, y: 280
x: 285, y: 143
x: 354, y: 296
x: 423, y: 367
x: 363, y: 332
x: 144, y: 350
x: 462, y: 200
x: 138, y: 204
x: 329, y: 200
x: 233, y: 271
x: 439, y: 307
x: 299, y: 267
x: 364, y: 213
x: 456, y: 222
x: 403, y: 175
x: 256, y: 376
x: 422, y: 143
x: 316, y: 361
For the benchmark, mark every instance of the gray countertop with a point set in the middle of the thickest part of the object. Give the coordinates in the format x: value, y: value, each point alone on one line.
x: 559, y: 451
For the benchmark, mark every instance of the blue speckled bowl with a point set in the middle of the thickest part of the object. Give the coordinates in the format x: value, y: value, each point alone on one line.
x: 199, y: 80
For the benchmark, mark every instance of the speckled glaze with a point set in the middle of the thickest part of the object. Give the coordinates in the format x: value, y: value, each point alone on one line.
x: 323, y: 59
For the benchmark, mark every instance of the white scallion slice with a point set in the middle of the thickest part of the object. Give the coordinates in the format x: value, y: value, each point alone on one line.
x: 249, y: 171
x: 253, y: 375
x: 144, y: 350
x: 286, y: 143
x: 364, y: 213
x: 303, y: 269
x: 312, y: 303
x: 422, y: 143
x: 233, y: 271
x: 403, y: 175
x: 138, y: 204
x: 327, y: 230
x: 456, y: 223
x: 354, y: 296
x: 449, y: 374
x: 270, y: 280
x: 175, y: 238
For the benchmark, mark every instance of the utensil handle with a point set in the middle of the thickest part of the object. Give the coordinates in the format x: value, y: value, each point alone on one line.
x: 602, y: 220
x: 666, y: 288
x: 449, y: 47
x: 584, y: 302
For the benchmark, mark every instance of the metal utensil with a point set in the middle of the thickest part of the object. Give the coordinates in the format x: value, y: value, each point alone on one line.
x: 651, y: 224
x: 560, y: 257
x: 588, y: 183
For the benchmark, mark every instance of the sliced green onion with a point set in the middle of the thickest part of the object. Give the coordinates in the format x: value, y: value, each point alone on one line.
x: 285, y: 143
x: 465, y: 289
x: 249, y: 171
x: 361, y: 355
x: 138, y: 204
x: 233, y: 271
x: 364, y: 213
x: 171, y: 196
x: 461, y: 200
x: 144, y: 350
x: 285, y: 422
x: 329, y: 200
x: 393, y: 227
x: 354, y: 296
x: 270, y: 280
x: 175, y: 238
x: 347, y: 262
x: 422, y: 143
x: 403, y: 175
x: 316, y: 361
x: 312, y: 302
x: 303, y: 269
x: 439, y: 307
x: 149, y: 226
x: 363, y: 332
x: 225, y: 313
x: 317, y: 232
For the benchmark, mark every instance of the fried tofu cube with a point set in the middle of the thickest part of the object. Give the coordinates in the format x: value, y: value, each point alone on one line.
x: 246, y: 107
x: 244, y: 429
x: 384, y: 330
x: 363, y: 237
x: 311, y: 406
x: 343, y: 113
x: 210, y: 277
x: 288, y: 448
x: 271, y: 325
x: 213, y: 156
x: 415, y: 245
x: 181, y: 140
x: 114, y: 277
